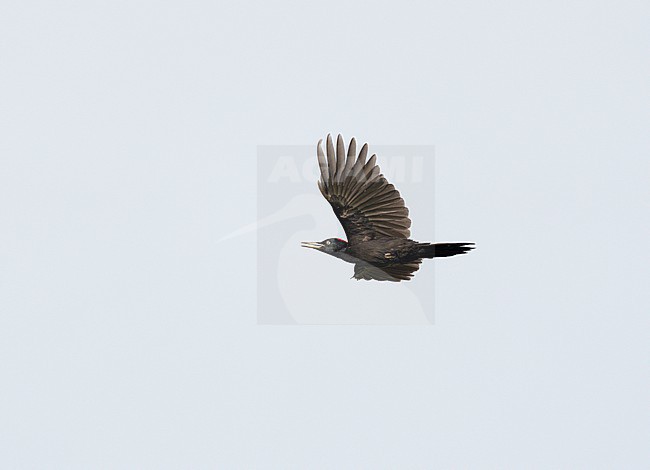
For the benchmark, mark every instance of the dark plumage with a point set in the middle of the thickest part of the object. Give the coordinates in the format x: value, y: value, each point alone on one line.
x: 373, y: 216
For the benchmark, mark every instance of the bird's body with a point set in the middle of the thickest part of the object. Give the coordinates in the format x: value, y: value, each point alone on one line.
x: 373, y: 216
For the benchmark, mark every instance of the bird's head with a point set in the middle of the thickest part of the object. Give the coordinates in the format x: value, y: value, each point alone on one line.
x: 331, y: 246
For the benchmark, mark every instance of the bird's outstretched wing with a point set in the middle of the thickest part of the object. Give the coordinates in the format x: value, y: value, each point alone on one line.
x: 367, y: 205
x: 396, y: 273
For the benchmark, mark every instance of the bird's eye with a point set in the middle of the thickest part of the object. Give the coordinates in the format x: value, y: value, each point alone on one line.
x: 328, y: 242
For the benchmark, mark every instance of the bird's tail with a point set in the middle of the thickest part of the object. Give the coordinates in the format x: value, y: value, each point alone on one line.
x: 440, y: 250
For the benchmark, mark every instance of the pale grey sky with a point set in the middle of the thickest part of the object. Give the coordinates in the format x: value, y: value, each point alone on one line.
x: 128, y: 335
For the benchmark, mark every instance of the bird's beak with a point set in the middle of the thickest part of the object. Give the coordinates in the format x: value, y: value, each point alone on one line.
x: 314, y: 245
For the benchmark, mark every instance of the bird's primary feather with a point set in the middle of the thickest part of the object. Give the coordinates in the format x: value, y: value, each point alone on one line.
x: 366, y: 204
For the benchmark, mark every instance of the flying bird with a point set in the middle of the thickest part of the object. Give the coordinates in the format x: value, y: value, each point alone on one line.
x: 373, y: 215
